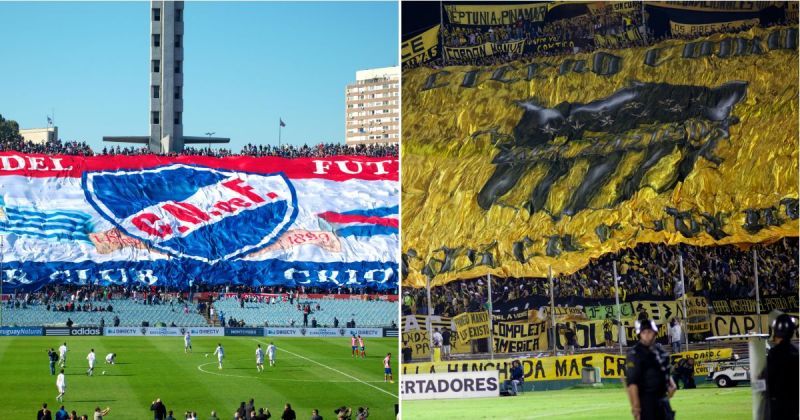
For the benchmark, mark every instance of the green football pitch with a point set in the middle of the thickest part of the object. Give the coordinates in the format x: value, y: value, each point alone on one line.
x: 610, y: 402
x: 309, y: 373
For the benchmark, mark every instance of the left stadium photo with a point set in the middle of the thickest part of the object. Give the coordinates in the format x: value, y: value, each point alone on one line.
x: 199, y: 210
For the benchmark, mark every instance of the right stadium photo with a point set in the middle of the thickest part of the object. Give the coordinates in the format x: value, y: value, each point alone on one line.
x: 599, y: 214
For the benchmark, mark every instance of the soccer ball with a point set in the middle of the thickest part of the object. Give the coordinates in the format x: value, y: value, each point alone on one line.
x: 104, y: 372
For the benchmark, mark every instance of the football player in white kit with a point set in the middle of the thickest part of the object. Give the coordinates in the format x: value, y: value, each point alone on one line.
x: 111, y: 358
x: 187, y: 342
x: 61, y: 384
x: 91, y: 359
x: 259, y: 358
x: 62, y: 354
x: 220, y: 354
x: 271, y: 353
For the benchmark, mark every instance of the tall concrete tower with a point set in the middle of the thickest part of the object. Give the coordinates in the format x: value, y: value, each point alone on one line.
x: 166, y: 75
x: 166, y: 83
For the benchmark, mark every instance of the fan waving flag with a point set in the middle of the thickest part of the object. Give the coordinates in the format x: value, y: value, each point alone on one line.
x: 363, y: 222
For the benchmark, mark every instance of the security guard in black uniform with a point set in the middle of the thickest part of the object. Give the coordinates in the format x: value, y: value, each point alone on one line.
x: 647, y: 376
x: 782, y: 370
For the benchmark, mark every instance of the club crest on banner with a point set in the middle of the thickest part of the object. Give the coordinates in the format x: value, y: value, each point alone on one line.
x: 195, y: 212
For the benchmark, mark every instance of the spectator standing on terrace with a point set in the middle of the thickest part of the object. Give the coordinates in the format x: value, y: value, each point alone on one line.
x: 675, y: 334
x: 437, y: 338
x: 446, y: 343
x: 569, y: 336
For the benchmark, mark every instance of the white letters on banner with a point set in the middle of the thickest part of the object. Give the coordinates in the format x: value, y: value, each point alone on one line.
x: 450, y: 385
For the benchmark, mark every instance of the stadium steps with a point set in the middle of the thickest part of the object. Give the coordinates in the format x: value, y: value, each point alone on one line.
x: 365, y: 313
x: 131, y: 314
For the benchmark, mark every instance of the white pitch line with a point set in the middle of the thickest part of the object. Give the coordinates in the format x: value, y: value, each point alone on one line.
x: 266, y: 378
x: 335, y: 370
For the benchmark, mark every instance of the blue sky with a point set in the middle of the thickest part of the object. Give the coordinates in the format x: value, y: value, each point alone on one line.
x: 246, y: 65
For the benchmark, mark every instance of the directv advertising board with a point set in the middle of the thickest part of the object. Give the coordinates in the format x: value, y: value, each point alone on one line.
x: 205, y: 331
x: 122, y: 331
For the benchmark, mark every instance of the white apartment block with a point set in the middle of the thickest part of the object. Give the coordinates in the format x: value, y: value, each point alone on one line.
x: 372, y: 114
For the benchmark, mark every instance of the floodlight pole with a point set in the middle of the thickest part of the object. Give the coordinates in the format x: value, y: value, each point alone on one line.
x: 491, y: 325
x: 619, y: 313
x: 428, y: 325
x: 758, y: 294
x: 441, y: 33
x: 552, y: 307
x: 685, y: 327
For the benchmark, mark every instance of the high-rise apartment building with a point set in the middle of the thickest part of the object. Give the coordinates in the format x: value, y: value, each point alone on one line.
x: 372, y: 114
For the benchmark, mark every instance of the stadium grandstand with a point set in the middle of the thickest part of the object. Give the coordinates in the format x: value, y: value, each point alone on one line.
x: 141, y: 305
x: 216, y: 283
x: 558, y: 199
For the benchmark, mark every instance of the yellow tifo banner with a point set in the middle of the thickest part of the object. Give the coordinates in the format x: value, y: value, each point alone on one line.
x: 422, y: 47
x: 489, y: 189
x: 472, y: 325
x: 690, y: 29
x: 494, y: 15
x: 535, y: 369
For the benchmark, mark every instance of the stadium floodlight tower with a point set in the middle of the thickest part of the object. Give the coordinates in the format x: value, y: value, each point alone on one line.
x: 166, y: 84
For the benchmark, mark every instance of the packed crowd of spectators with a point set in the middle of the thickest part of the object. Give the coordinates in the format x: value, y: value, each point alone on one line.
x: 645, y: 271
x: 75, y: 148
x: 603, y: 29
x: 52, y: 147
x: 93, y: 298
x: 285, y: 151
x: 464, y: 36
